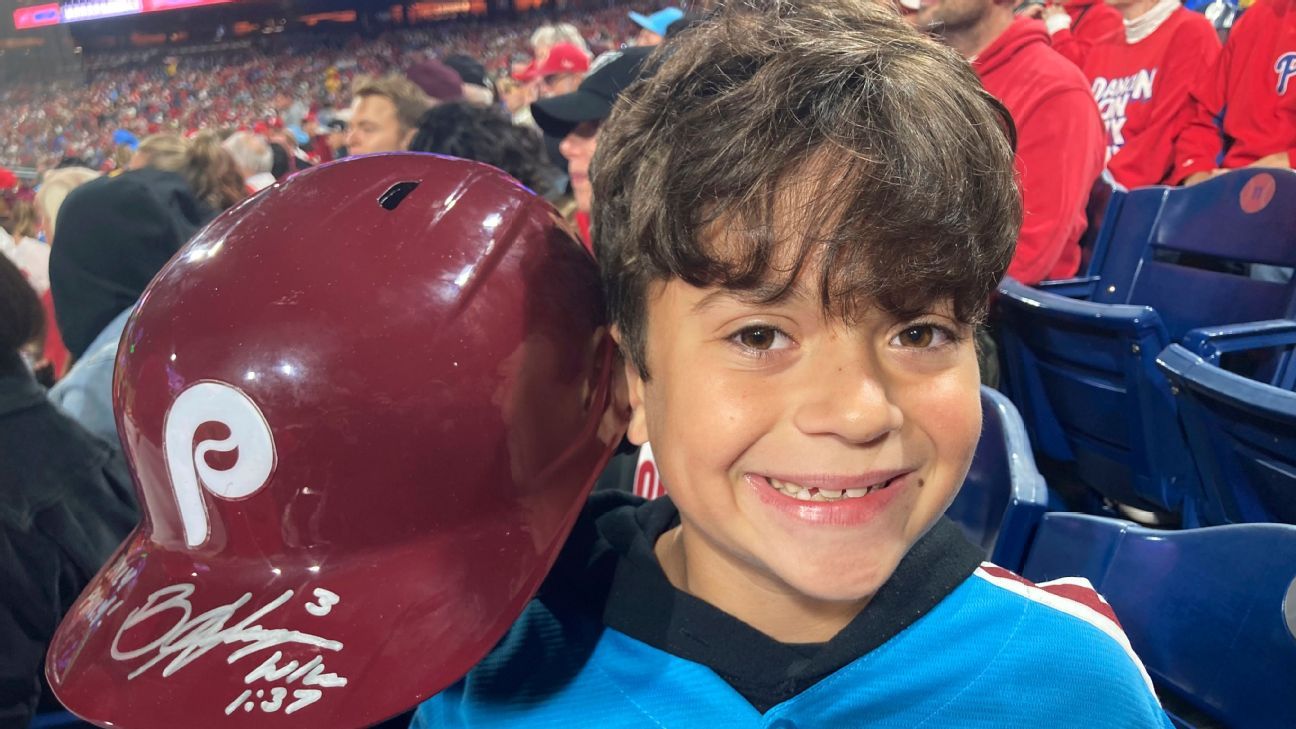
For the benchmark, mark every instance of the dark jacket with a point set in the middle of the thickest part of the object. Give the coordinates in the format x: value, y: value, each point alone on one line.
x: 114, y: 235
x: 66, y: 502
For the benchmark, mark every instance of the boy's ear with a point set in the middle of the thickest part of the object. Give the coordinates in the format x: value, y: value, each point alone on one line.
x: 637, y: 430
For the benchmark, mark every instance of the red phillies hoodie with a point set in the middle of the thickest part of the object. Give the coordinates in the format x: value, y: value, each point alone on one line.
x: 1060, y: 146
x: 1091, y: 22
x: 1142, y: 93
x: 1245, y: 108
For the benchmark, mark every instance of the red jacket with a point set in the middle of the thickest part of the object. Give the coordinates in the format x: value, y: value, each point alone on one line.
x: 1142, y: 93
x: 1245, y: 108
x: 1060, y: 146
x: 1091, y: 22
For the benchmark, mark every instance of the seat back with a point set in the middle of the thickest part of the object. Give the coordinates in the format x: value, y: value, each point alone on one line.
x: 1104, y: 205
x: 1210, y: 611
x: 1004, y: 496
x: 1242, y: 434
x: 1192, y: 265
x: 1085, y: 379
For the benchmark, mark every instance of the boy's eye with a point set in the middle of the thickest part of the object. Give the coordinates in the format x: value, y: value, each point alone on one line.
x: 761, y: 338
x: 921, y: 336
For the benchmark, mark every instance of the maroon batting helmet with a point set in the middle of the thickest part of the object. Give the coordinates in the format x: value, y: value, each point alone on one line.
x: 363, y: 410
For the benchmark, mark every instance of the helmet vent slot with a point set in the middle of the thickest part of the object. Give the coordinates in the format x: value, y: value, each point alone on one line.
x: 396, y: 194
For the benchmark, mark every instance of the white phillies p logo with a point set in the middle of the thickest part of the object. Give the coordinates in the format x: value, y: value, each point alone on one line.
x: 207, y: 402
x: 1285, y: 67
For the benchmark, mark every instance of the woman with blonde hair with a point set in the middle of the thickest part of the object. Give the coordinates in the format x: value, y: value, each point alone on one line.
x: 209, y: 169
x: 54, y: 190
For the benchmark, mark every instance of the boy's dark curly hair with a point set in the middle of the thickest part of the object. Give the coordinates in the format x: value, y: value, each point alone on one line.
x: 824, y: 136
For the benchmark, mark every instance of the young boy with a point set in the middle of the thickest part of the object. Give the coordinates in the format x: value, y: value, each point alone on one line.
x: 800, y: 216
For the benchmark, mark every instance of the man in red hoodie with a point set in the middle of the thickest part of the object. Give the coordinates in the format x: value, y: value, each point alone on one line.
x: 1060, y: 137
x: 1244, y: 110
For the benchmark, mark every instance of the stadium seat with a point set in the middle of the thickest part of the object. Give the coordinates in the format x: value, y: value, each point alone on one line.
x: 1083, y: 372
x: 1210, y: 611
x: 1004, y: 495
x: 1126, y: 221
x: 1105, y: 201
x: 57, y: 720
x: 1242, y: 434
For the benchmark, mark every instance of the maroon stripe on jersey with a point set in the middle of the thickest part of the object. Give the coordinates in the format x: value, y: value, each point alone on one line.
x: 1075, y: 593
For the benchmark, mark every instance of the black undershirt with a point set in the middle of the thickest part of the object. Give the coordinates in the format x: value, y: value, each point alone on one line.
x: 621, y: 574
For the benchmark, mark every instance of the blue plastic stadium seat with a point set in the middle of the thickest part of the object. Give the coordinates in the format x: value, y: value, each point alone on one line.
x: 1242, y: 434
x: 1211, y: 611
x: 1004, y: 495
x: 58, y: 720
x: 1083, y: 373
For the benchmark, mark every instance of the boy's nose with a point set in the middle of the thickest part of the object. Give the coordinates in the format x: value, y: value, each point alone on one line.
x: 847, y: 400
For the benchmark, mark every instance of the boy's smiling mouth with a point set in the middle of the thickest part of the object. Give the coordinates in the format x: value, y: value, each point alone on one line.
x: 837, y: 500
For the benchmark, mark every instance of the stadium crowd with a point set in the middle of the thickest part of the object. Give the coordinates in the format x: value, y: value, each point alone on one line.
x: 281, y: 77
x: 155, y: 144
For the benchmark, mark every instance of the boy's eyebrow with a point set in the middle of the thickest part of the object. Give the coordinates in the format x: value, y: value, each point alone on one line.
x: 771, y: 292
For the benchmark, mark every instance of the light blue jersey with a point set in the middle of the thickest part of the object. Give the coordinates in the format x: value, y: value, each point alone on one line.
x: 996, y: 652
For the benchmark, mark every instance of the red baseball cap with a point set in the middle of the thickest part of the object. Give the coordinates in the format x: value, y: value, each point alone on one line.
x: 562, y: 58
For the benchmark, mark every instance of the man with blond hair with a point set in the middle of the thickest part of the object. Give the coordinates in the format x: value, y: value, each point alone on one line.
x: 385, y: 113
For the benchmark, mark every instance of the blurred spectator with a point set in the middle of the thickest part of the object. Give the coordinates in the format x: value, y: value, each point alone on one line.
x: 653, y: 27
x: 212, y: 173
x: 146, y: 215
x: 485, y: 134
x: 562, y: 70
x: 166, y: 152
x: 516, y: 98
x: 1244, y: 107
x: 1141, y: 77
x: 575, y: 119
x: 288, y: 157
x: 385, y: 113
x: 1059, y: 133
x: 336, y: 137
x: 67, y: 502
x: 115, y: 233
x: 251, y: 153
x: 1075, y: 26
x: 54, y: 188
x: 477, y: 85
x: 20, y: 244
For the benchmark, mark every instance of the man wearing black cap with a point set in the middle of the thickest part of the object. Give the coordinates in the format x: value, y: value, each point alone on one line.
x: 575, y: 119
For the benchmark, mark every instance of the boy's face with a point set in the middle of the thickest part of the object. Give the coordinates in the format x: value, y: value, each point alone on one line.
x: 749, y: 404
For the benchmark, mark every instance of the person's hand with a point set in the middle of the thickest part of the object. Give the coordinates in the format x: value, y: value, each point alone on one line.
x: 1197, y: 177
x: 1278, y: 160
x: 1050, y: 11
x: 1034, y: 10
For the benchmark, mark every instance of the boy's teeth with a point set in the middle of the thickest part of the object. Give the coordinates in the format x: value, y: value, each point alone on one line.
x: 813, y: 494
